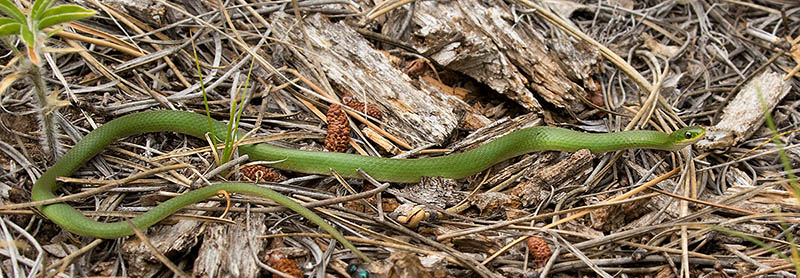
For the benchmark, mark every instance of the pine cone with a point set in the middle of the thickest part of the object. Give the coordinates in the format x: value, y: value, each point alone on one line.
x: 260, y: 173
x: 284, y: 264
x: 539, y: 250
x: 338, y: 136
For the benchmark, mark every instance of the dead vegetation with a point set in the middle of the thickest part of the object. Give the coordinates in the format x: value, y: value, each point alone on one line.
x: 433, y: 77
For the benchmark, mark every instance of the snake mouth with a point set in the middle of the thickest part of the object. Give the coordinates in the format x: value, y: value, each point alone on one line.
x: 698, y: 137
x: 688, y: 142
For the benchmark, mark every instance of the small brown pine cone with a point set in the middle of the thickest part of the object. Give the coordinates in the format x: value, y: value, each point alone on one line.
x: 539, y: 250
x: 372, y: 111
x: 260, y: 173
x: 283, y: 264
x: 338, y: 136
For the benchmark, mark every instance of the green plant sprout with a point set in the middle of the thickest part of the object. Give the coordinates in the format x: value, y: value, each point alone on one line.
x: 40, y: 17
x: 234, y: 114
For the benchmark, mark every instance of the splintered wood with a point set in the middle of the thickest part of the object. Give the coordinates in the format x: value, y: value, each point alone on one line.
x: 353, y: 67
x: 746, y: 112
x: 482, y: 43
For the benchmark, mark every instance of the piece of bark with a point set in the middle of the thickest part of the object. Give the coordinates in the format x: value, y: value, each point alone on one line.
x: 150, y: 11
x: 403, y: 264
x: 525, y: 166
x: 477, y: 38
x: 745, y: 113
x: 580, y: 62
x: 494, y: 203
x: 440, y: 192
x: 168, y: 240
x: 473, y: 118
x: 569, y: 170
x: 225, y: 251
x: 419, y: 115
x: 611, y: 218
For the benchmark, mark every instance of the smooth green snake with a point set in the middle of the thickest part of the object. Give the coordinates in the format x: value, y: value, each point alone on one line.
x: 458, y: 165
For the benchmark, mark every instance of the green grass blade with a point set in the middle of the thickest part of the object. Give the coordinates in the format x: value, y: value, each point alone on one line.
x: 238, y: 111
x: 244, y: 94
x: 203, y: 89
x: 236, y: 115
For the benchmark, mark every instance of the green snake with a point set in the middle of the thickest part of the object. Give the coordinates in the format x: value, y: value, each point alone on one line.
x: 456, y: 166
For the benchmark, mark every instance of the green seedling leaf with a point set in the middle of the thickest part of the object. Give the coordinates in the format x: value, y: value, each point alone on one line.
x: 8, y: 26
x: 63, y: 14
x: 12, y: 11
x: 39, y: 7
x: 27, y: 35
x: 6, y: 20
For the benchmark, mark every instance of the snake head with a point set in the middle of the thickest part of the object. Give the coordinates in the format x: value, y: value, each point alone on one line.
x: 686, y: 136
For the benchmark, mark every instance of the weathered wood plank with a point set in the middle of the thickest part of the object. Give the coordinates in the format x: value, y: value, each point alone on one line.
x: 415, y: 111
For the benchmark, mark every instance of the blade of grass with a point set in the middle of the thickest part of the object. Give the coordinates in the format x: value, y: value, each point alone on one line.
x: 205, y: 98
x: 234, y: 123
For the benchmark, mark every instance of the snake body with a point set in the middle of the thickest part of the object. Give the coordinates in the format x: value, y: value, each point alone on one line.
x: 385, y: 169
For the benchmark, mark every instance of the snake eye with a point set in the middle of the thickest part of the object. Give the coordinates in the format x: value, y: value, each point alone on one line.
x: 688, y: 135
